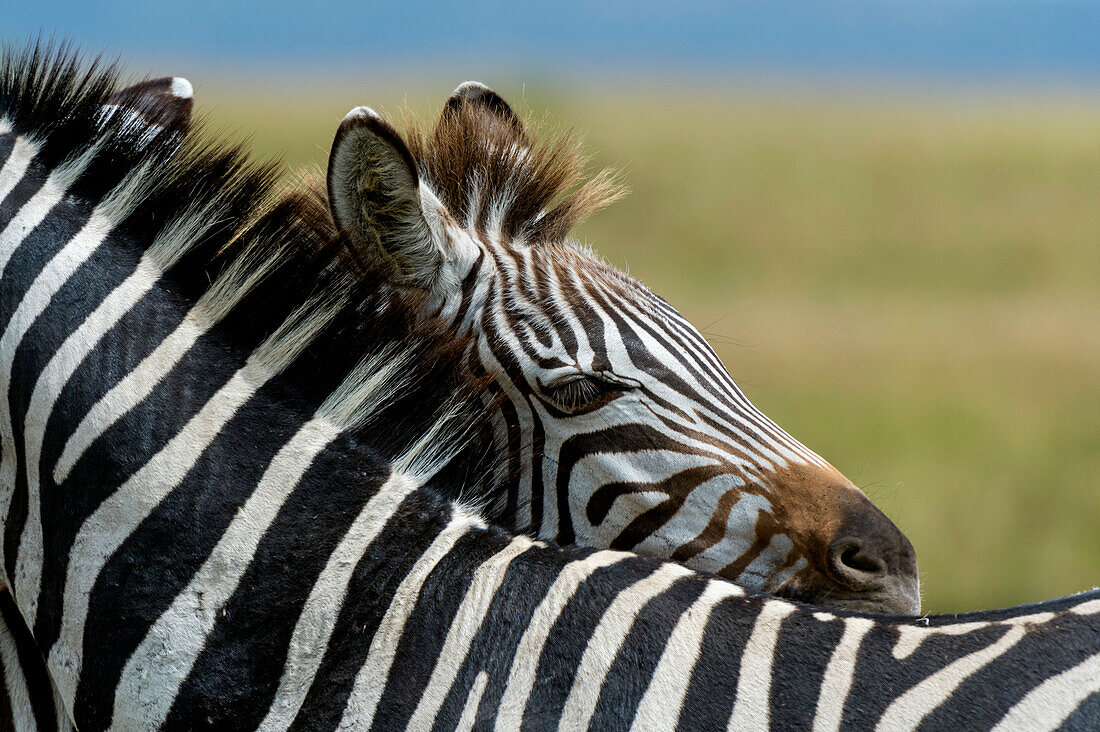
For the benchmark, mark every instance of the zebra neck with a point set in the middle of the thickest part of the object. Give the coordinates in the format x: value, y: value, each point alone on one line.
x: 178, y: 434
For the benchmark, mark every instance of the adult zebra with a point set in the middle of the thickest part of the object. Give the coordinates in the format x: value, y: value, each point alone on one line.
x: 259, y: 534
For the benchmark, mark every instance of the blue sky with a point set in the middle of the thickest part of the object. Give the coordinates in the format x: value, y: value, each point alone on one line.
x: 1030, y: 40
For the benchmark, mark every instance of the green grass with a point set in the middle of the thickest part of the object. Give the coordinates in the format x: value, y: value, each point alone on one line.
x: 909, y: 286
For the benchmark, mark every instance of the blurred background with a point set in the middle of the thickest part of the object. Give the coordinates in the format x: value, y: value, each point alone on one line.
x: 885, y: 216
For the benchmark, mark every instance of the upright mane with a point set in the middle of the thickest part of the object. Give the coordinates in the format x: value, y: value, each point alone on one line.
x: 259, y: 262
x: 494, y: 175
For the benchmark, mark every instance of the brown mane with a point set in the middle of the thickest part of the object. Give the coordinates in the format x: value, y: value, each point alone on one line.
x: 483, y: 167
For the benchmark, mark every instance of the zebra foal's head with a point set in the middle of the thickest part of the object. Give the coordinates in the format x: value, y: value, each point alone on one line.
x: 620, y: 425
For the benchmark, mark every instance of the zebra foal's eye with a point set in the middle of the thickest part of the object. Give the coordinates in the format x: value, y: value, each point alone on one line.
x: 581, y: 393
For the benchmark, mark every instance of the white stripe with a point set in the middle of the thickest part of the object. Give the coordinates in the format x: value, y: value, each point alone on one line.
x: 521, y: 677
x: 525, y: 421
x: 606, y: 640
x: 763, y: 445
x: 315, y: 624
x: 743, y: 514
x: 908, y: 710
x: 118, y: 516
x: 182, y: 88
x: 15, y: 167
x: 910, y: 637
x: 170, y: 244
x: 158, y: 666
x: 583, y: 353
x: 1055, y: 699
x: 837, y: 682
x: 15, y: 683
x: 53, y: 276
x: 1092, y: 607
x: 664, y: 698
x: 751, y: 708
x: 762, y: 570
x: 373, y: 676
x: 467, y: 620
x: 115, y: 206
x: 60, y: 712
x: 473, y: 701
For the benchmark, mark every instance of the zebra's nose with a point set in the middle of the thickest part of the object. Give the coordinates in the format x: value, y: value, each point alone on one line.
x: 854, y: 556
x: 855, y: 564
x: 869, y: 556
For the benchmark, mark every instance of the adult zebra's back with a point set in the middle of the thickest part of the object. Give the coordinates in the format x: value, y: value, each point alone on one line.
x: 236, y: 516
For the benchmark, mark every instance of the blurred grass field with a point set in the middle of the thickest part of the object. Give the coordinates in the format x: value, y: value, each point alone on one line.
x: 910, y: 286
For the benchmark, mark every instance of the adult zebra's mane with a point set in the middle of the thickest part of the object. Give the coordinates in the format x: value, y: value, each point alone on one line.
x: 261, y: 265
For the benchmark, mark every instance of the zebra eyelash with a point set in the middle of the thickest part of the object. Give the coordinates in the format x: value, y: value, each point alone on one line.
x: 583, y: 393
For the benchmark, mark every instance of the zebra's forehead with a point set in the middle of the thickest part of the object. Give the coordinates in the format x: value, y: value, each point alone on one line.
x: 573, y: 275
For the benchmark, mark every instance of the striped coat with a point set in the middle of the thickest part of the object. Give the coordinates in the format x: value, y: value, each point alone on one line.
x: 224, y: 507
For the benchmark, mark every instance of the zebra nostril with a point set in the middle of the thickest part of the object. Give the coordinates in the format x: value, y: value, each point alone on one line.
x: 855, y: 564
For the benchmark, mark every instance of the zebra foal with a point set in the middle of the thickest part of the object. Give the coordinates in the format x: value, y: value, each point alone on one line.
x: 618, y: 424
x: 238, y: 513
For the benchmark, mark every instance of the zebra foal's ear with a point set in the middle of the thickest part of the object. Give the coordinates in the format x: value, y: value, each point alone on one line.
x: 163, y: 103
x: 374, y: 194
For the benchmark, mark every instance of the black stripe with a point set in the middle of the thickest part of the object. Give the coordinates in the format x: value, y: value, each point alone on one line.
x: 42, y: 339
x: 468, y: 288
x: 589, y: 320
x: 124, y: 447
x: 427, y: 627
x: 28, y: 185
x: 7, y: 143
x: 633, y: 667
x: 389, y: 559
x: 802, y: 653
x: 642, y: 358
x: 31, y: 666
x: 880, y: 678
x: 35, y: 251
x: 538, y: 486
x: 7, y: 721
x: 1041, y: 654
x: 510, y: 422
x: 1085, y: 717
x: 611, y: 440
x: 570, y: 635
x: 493, y: 647
x: 711, y: 691
x: 83, y: 291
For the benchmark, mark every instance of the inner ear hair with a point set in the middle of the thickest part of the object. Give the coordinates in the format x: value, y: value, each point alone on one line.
x: 373, y: 189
